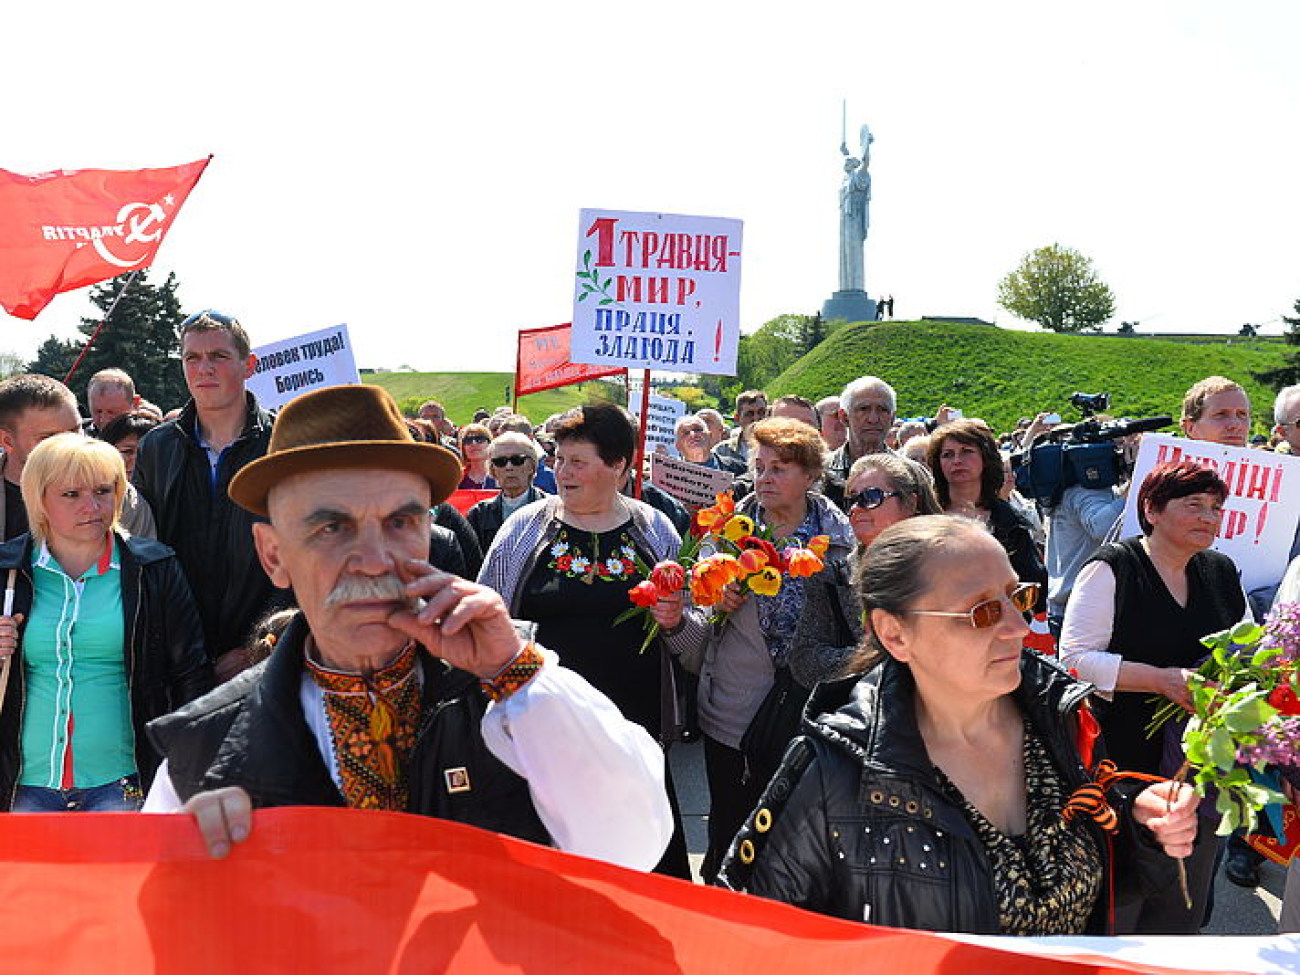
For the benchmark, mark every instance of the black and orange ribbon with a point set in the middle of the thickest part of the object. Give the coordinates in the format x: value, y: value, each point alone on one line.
x: 1090, y: 798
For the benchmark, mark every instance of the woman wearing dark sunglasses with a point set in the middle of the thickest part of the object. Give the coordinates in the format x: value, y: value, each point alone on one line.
x: 881, y: 490
x: 930, y: 792
x: 475, y: 444
x: 514, y: 464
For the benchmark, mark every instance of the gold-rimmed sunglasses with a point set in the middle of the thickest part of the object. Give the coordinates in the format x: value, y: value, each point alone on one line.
x: 989, y: 613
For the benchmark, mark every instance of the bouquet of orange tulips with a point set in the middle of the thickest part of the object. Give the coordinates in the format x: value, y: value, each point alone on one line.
x: 740, y: 554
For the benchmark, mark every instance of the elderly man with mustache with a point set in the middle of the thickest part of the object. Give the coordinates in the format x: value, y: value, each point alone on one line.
x: 398, y: 686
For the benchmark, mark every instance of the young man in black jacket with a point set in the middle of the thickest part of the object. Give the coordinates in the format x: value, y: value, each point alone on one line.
x: 183, y: 469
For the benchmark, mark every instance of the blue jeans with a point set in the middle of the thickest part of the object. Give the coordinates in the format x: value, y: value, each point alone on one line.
x: 122, y: 795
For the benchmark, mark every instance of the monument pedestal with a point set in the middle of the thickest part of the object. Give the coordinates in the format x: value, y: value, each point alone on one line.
x: 852, y: 306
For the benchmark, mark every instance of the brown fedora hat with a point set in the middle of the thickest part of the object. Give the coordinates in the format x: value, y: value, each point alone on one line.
x: 341, y: 428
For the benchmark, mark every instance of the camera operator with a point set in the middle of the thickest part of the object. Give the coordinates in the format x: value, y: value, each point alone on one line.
x: 1076, y: 528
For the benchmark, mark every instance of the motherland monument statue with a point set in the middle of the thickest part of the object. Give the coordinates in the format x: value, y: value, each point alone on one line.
x: 851, y: 301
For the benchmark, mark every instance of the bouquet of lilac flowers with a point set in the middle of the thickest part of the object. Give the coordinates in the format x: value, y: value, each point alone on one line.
x: 1244, y: 730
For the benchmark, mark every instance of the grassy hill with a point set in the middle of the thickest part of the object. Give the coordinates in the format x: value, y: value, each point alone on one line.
x: 1001, y: 375
x: 461, y: 393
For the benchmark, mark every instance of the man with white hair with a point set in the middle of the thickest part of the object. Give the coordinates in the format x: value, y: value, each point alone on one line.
x: 834, y: 432
x: 691, y: 435
x: 398, y: 687
x: 867, y: 408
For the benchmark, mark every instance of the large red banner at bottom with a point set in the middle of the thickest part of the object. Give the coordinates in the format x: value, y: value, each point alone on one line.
x: 318, y: 891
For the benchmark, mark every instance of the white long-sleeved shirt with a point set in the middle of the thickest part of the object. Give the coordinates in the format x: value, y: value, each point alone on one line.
x: 1089, y: 623
x: 596, y: 778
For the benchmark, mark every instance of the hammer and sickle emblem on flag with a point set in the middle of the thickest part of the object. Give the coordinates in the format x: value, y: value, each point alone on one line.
x: 144, y: 225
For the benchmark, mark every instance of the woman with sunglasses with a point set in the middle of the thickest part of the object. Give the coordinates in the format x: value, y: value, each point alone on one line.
x: 475, y: 445
x: 967, y: 468
x: 1133, y: 628
x: 882, y: 490
x: 931, y: 791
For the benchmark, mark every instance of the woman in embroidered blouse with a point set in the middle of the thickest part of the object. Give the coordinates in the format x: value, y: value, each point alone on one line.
x: 567, y: 563
x: 1133, y: 627
x: 930, y: 793
x: 103, y: 638
x: 475, y: 445
x: 749, y: 652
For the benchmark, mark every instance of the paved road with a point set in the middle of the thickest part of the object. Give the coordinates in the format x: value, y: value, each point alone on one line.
x: 1236, y: 910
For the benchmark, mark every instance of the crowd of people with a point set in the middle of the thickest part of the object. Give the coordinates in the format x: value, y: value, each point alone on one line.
x: 221, y: 609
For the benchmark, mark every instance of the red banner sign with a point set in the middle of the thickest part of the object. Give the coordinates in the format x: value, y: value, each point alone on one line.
x: 71, y: 228
x: 543, y: 361
x: 317, y: 890
x: 463, y: 499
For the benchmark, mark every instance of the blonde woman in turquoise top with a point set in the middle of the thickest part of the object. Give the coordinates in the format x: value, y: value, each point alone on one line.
x: 104, y: 637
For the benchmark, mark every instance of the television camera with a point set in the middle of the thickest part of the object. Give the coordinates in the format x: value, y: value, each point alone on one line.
x: 1084, y: 453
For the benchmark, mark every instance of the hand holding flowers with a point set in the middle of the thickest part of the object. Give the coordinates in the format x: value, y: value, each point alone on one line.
x: 740, y: 562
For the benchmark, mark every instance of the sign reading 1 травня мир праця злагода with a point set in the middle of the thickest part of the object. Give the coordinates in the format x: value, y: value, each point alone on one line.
x: 657, y: 291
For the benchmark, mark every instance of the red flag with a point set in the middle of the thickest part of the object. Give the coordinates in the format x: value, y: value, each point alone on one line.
x: 543, y: 361
x: 71, y: 228
x: 342, y: 890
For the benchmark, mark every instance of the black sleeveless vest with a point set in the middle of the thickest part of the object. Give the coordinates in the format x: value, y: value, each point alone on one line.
x: 1151, y: 628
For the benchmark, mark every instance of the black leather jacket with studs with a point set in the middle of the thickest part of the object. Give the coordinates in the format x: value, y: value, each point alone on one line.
x: 854, y: 823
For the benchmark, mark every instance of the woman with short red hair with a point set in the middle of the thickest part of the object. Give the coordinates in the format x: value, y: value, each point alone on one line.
x: 1133, y: 628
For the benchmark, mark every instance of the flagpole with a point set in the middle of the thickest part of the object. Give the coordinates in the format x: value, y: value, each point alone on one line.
x: 640, y: 440
x: 100, y: 327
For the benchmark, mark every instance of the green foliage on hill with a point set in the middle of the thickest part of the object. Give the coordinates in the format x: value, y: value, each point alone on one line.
x: 461, y: 393
x: 1001, y: 375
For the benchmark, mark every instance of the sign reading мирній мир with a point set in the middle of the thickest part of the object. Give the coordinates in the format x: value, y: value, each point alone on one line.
x: 657, y: 291
x: 1259, y: 514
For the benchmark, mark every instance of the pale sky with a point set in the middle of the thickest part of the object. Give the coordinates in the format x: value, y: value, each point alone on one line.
x: 416, y: 170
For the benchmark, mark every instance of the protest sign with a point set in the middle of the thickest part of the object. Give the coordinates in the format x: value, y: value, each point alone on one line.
x: 694, y: 485
x: 661, y: 422
x: 1262, y: 509
x: 297, y: 365
x: 542, y: 361
x: 657, y: 291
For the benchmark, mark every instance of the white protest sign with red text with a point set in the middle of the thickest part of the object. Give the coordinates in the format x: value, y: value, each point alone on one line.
x: 1261, y: 511
x: 657, y: 291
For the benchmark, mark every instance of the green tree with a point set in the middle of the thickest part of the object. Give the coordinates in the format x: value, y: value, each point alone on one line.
x: 1287, y: 374
x: 54, y: 358
x: 1058, y: 288
x: 140, y: 337
x: 769, y: 351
